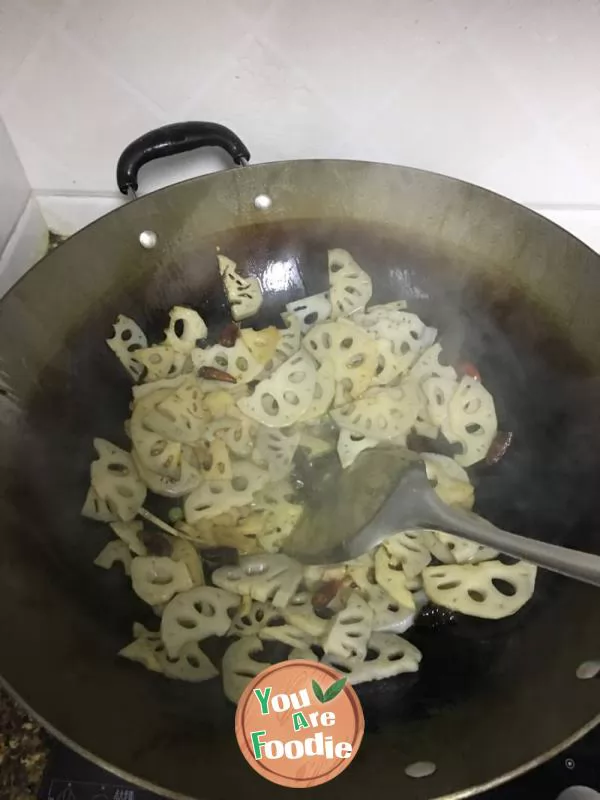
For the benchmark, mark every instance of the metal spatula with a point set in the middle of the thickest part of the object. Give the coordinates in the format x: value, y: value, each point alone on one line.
x: 387, y: 491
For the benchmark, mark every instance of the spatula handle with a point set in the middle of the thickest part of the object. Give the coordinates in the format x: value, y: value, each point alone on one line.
x: 571, y: 563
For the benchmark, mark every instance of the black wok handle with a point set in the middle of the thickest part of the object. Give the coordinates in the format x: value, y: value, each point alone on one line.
x: 170, y: 140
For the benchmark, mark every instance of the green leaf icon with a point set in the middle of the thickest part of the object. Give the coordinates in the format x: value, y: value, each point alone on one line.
x: 318, y: 692
x: 330, y: 693
x: 334, y: 690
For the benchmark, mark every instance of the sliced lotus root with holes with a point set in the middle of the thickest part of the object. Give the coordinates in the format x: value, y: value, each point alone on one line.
x: 360, y: 571
x: 275, y: 631
x: 192, y: 665
x: 389, y: 614
x: 350, y: 630
x: 274, y: 495
x: 249, y: 622
x: 112, y: 553
x: 428, y: 365
x: 214, y: 497
x: 280, y: 401
x: 278, y: 588
x: 271, y: 577
x: 380, y: 311
x: 423, y: 427
x: 407, y: 332
x: 491, y: 590
x: 96, y: 508
x: 188, y: 479
x: 160, y: 362
x: 141, y: 632
x: 115, y: 479
x: 239, y: 666
x: 302, y: 654
x: 466, y: 552
x: 314, y: 446
x: 186, y: 327
x: 350, y: 445
x: 322, y: 397
x: 346, y: 353
x: 219, y: 404
x: 316, y: 575
x: 243, y: 537
x: 437, y: 548
x: 155, y: 452
x: 244, y: 294
x: 262, y: 343
x: 450, y: 481
x: 350, y: 287
x: 127, y: 339
x: 390, y: 576
x: 238, y: 432
x: 275, y: 451
x: 438, y: 393
x: 289, y: 341
x: 142, y: 650
x: 217, y: 463
x: 310, y: 310
x: 382, y: 414
x: 278, y: 525
x: 288, y: 345
x: 236, y: 390
x: 236, y: 361
x: 390, y: 365
x: 393, y: 656
x: 409, y: 550
x: 195, y: 615
x: 155, y: 579
x: 471, y: 421
x: 301, y: 613
x: 130, y: 533
x: 142, y: 390
x: 184, y: 551
x: 179, y: 417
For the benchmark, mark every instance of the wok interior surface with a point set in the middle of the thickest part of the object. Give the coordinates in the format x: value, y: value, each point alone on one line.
x: 490, y: 697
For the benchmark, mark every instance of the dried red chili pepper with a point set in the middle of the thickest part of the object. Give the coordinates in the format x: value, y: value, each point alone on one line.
x: 229, y: 335
x: 468, y: 368
x: 214, y: 374
x: 325, y: 593
x: 498, y: 447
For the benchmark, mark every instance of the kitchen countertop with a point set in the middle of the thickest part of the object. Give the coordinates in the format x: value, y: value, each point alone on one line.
x: 23, y: 752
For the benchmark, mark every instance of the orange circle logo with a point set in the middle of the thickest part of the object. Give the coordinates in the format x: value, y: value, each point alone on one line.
x: 299, y: 723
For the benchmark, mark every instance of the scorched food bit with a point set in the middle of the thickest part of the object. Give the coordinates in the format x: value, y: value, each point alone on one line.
x: 499, y: 447
x: 214, y: 374
x: 229, y: 335
x: 325, y: 593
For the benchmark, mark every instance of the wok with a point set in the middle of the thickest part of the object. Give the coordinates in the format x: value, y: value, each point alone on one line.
x: 508, y: 290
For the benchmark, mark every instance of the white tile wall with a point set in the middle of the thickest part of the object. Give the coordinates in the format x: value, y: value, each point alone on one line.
x: 505, y: 93
x: 23, y: 233
x: 14, y: 187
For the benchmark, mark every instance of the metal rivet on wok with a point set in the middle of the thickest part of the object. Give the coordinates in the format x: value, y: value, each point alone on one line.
x: 420, y: 769
x: 587, y: 670
x: 148, y: 239
x: 262, y: 202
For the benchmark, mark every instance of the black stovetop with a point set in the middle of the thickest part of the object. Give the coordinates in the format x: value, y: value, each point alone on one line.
x: 70, y: 777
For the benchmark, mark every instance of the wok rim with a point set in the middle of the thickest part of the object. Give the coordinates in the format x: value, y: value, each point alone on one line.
x: 126, y: 202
